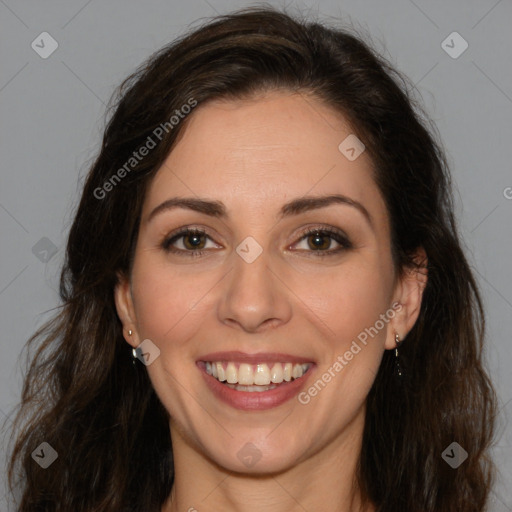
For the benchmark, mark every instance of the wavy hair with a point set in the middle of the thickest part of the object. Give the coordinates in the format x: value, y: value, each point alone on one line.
x: 83, y: 395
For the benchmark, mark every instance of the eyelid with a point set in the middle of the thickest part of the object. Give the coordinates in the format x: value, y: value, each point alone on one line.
x: 322, y: 228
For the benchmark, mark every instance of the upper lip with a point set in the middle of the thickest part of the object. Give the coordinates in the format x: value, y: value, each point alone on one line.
x: 260, y: 357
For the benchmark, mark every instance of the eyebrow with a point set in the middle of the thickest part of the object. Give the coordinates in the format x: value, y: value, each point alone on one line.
x: 294, y: 207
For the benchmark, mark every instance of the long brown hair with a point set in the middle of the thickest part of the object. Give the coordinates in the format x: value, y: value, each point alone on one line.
x: 84, y: 396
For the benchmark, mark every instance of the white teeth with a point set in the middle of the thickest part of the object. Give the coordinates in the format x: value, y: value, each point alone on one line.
x: 287, y: 372
x: 261, y: 375
x: 248, y: 376
x: 245, y: 375
x: 221, y: 374
x: 251, y: 388
x: 231, y: 373
x: 276, y: 374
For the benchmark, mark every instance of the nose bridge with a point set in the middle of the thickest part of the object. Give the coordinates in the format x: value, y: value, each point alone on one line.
x: 253, y: 294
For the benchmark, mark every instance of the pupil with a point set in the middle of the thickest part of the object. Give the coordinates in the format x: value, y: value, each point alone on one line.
x: 196, y: 240
x: 317, y: 241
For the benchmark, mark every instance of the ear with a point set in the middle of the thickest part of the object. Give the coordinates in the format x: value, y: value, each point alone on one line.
x: 408, y: 296
x: 125, y: 309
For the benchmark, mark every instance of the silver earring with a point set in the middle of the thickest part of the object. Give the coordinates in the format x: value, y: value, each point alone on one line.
x: 398, y: 372
x: 134, y: 350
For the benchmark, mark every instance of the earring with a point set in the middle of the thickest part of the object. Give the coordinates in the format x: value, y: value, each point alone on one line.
x: 398, y: 372
x: 134, y: 350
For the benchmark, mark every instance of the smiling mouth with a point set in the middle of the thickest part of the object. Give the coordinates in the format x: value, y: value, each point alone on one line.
x: 255, y: 377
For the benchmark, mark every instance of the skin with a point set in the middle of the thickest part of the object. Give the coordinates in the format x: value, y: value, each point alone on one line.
x: 254, y: 156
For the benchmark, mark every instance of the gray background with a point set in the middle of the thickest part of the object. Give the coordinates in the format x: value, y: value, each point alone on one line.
x: 52, y: 109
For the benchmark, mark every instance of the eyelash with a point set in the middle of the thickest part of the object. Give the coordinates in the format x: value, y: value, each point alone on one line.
x: 332, y: 233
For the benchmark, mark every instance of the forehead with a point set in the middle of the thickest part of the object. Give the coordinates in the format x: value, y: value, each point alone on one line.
x: 257, y: 154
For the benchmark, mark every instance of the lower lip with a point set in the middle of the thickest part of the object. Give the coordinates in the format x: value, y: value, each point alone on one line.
x: 255, y: 400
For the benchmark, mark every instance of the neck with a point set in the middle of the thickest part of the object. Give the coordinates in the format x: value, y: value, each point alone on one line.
x: 326, y: 478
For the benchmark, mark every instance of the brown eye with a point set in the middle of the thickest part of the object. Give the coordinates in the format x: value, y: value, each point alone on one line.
x: 319, y: 241
x: 193, y: 241
x: 187, y: 242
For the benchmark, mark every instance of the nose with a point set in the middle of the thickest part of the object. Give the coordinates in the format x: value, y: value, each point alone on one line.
x: 254, y: 298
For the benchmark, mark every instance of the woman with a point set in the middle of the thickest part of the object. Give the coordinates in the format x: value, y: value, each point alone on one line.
x: 265, y: 300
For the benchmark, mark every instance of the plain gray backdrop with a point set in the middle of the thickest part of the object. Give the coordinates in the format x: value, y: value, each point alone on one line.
x: 52, y: 108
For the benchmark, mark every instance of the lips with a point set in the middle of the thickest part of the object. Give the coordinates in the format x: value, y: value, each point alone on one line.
x: 254, y: 381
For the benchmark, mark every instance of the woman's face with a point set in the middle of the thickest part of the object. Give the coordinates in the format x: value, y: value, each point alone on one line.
x: 257, y: 294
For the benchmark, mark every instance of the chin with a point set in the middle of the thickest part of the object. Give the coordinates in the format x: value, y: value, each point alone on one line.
x: 254, y: 459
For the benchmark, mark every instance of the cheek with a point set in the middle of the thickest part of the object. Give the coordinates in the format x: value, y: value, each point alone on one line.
x: 348, y: 306
x: 347, y: 300
x: 167, y: 302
